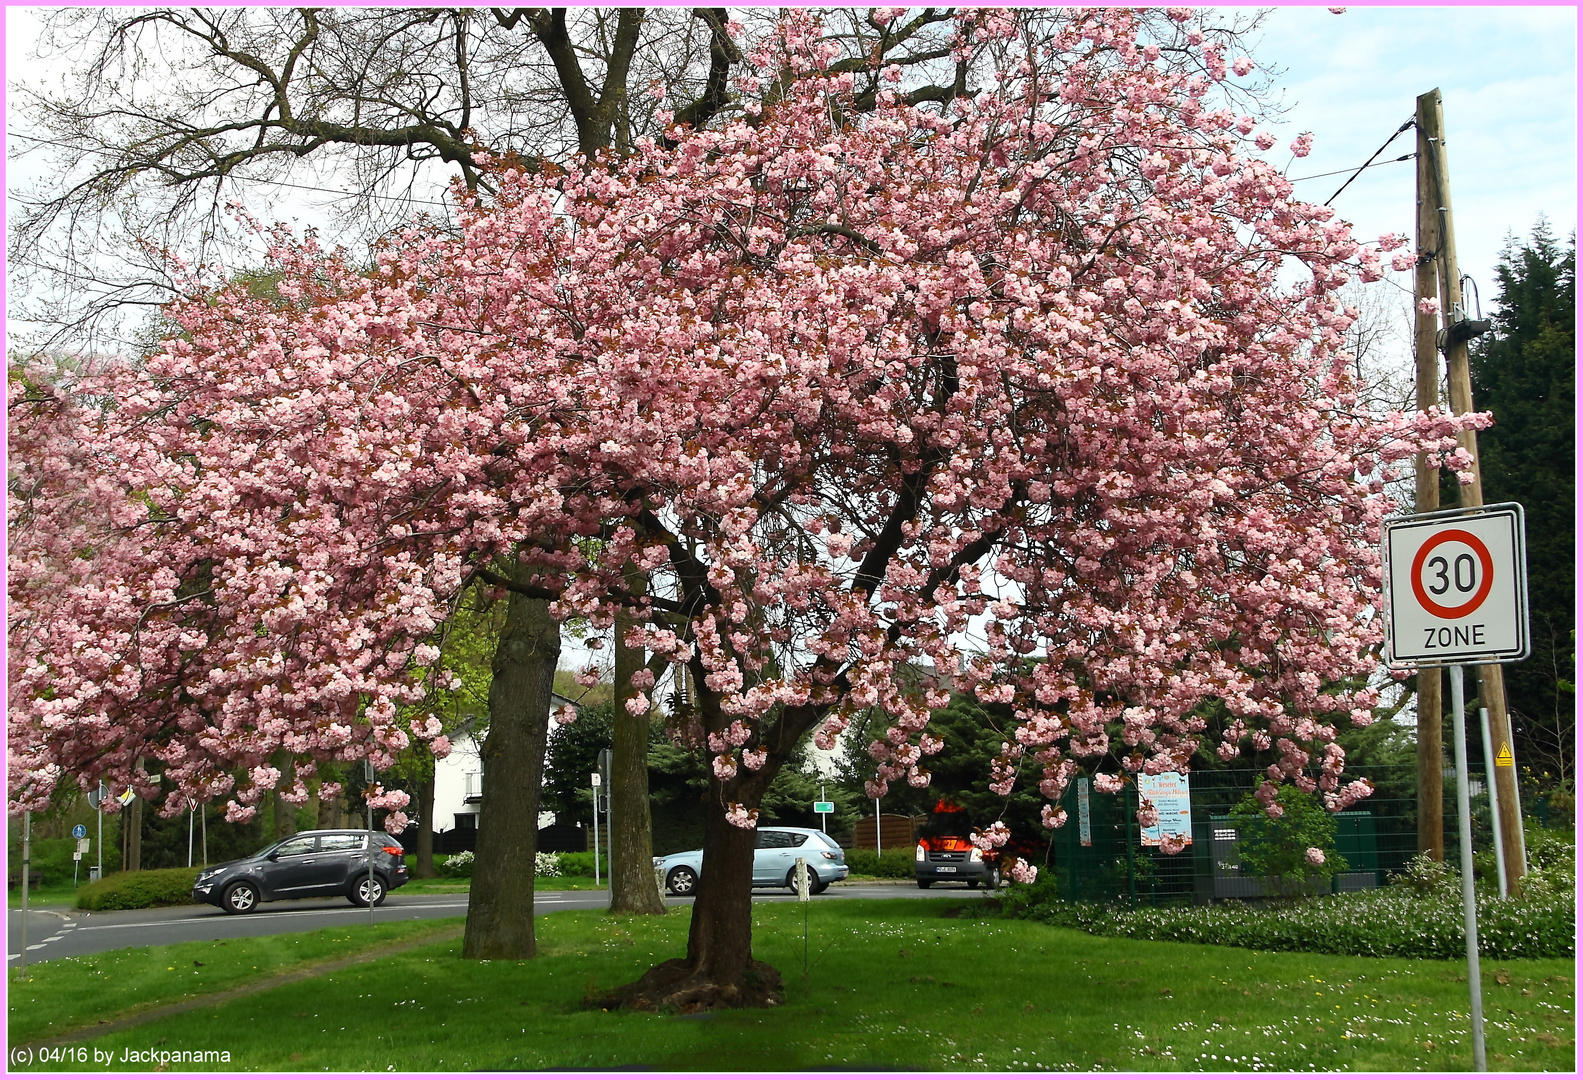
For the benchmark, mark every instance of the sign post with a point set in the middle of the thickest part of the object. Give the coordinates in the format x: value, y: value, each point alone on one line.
x: 822, y: 808
x: 1457, y: 593
x: 596, y: 779
x: 79, y: 833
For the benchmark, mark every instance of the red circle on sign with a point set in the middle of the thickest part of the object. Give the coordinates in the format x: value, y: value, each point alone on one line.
x: 1486, y: 563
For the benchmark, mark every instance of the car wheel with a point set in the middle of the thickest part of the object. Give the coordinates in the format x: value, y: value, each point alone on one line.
x: 815, y: 886
x: 924, y: 884
x: 992, y: 879
x: 240, y: 898
x: 682, y: 881
x: 360, y: 893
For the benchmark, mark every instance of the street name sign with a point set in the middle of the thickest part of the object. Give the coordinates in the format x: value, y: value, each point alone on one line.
x: 1456, y: 586
x: 824, y: 807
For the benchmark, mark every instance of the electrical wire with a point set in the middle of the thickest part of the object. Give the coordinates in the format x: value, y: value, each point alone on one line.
x: 1409, y: 122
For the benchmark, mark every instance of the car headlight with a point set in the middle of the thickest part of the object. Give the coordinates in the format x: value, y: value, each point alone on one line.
x: 920, y: 854
x: 975, y: 855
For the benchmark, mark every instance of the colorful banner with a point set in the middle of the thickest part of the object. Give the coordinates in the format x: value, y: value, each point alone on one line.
x: 1168, y: 793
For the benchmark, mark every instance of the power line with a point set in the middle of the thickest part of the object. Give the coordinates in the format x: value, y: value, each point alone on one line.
x: 1360, y: 168
x: 1406, y: 124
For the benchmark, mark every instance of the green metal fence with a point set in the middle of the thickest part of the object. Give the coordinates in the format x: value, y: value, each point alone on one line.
x: 1377, y: 835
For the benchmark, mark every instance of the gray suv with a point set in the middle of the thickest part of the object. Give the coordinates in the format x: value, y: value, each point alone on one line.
x: 329, y: 862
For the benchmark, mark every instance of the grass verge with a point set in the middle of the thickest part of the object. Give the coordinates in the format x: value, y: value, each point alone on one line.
x: 60, y: 996
x: 890, y: 984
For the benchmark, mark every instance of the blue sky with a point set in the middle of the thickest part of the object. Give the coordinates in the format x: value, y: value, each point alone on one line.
x: 1508, y: 79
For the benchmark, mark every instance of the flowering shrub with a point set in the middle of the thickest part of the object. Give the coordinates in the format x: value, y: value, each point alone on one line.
x: 1377, y: 922
x: 458, y: 865
x: 1284, y: 849
x: 546, y: 864
x: 1423, y: 876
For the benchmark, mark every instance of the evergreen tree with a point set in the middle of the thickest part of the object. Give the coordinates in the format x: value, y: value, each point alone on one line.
x: 1524, y: 373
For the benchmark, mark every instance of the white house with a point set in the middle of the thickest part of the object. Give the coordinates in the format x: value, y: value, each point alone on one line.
x: 459, y: 781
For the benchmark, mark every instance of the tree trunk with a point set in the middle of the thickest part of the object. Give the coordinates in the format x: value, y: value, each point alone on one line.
x: 425, y: 852
x: 719, y: 971
x: 500, y: 907
x: 315, y: 805
x: 285, y: 812
x: 633, y: 890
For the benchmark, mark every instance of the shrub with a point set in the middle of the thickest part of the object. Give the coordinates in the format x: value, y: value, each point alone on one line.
x: 459, y: 865
x: 891, y: 864
x: 1376, y: 922
x: 546, y: 864
x: 1422, y: 876
x: 581, y: 863
x: 138, y: 889
x: 1279, y: 850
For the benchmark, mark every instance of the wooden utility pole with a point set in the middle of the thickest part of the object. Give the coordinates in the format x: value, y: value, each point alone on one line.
x: 1453, y: 340
x: 1431, y: 754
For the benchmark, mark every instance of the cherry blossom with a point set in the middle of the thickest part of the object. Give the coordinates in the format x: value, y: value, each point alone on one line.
x: 1041, y: 397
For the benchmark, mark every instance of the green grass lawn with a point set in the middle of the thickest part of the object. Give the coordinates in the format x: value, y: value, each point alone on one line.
x: 58, y: 996
x: 52, y: 896
x: 890, y: 983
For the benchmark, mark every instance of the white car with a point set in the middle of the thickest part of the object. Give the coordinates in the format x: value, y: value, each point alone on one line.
x: 774, y: 861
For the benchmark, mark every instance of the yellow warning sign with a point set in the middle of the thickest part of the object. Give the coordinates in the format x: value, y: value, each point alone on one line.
x: 1503, y: 760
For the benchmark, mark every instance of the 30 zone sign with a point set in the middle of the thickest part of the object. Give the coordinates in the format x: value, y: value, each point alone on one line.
x: 1457, y: 587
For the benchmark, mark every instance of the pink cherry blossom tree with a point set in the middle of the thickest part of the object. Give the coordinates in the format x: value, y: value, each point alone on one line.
x: 1041, y: 395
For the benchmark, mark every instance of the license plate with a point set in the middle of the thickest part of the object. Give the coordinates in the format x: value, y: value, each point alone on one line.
x: 945, y: 869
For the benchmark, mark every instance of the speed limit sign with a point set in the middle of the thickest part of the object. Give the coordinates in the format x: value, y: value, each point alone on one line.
x: 1456, y: 587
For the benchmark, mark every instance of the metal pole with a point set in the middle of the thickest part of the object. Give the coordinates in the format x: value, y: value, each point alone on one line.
x: 823, y: 825
x: 100, y: 854
x: 1470, y: 916
x: 27, y: 865
x: 596, y: 836
x: 877, y: 850
x: 203, y: 827
x: 190, y: 814
x: 368, y: 776
x: 1495, y: 803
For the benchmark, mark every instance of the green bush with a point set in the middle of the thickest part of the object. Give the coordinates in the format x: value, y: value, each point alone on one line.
x: 895, y: 863
x: 1276, y: 850
x: 581, y: 863
x: 1375, y: 922
x: 138, y: 889
x: 459, y: 865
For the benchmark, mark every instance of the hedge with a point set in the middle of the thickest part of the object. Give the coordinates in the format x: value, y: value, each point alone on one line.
x: 138, y: 889
x: 895, y: 863
x: 1374, y: 922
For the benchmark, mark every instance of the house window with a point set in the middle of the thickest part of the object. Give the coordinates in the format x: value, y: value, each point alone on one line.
x: 467, y: 821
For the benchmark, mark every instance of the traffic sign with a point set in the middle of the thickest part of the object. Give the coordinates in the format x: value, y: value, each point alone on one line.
x: 824, y: 807
x: 79, y: 831
x: 97, y: 796
x: 1456, y: 587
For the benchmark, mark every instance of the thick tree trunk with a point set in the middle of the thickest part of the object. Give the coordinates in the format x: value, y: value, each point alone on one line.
x: 633, y: 890
x: 500, y: 907
x: 719, y: 971
x: 425, y: 852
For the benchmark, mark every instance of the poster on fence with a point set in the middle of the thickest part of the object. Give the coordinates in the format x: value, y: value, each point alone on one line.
x: 1168, y: 793
x: 1085, y: 833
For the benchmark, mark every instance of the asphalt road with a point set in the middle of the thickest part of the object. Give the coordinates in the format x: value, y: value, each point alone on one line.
x: 54, y: 933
